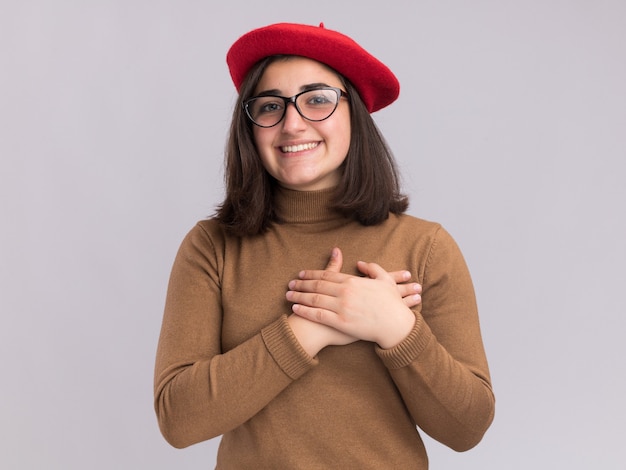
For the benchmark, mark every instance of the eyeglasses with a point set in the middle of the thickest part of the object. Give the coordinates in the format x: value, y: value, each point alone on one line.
x: 313, y: 105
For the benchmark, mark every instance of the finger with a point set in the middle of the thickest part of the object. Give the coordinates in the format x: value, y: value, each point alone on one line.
x: 315, y: 287
x: 336, y: 260
x: 313, y: 300
x: 412, y: 300
x: 400, y: 276
x: 374, y: 271
x: 317, y: 315
x: 409, y: 288
x: 410, y: 294
x: 326, y: 275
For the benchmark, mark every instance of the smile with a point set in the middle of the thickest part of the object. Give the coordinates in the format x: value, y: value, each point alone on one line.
x: 299, y: 147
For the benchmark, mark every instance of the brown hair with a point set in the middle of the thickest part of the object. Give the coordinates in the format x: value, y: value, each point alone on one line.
x: 368, y: 190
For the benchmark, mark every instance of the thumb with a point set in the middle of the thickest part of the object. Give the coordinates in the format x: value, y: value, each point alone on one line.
x: 335, y: 262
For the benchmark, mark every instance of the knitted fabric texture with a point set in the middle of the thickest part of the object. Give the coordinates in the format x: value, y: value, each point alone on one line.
x: 229, y: 364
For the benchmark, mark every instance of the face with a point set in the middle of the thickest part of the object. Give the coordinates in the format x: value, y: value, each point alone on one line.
x: 303, y: 155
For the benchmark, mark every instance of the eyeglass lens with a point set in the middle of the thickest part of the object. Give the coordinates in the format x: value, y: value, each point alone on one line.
x: 313, y: 105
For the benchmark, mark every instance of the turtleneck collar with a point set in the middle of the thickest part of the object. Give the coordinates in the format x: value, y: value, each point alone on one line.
x: 305, y: 206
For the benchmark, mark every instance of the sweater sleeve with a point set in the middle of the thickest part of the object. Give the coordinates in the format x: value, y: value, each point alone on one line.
x: 441, y: 369
x: 200, y: 391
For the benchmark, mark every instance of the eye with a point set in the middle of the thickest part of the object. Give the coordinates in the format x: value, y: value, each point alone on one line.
x: 267, y: 106
x: 320, y: 98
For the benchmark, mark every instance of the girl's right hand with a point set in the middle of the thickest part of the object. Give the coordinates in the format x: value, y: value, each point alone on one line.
x: 410, y: 291
x: 313, y: 337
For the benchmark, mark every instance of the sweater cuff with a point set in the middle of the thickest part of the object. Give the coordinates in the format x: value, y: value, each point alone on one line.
x: 405, y: 352
x: 286, y: 350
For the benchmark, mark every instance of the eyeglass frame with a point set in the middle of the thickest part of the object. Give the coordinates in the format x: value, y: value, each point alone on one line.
x: 292, y: 99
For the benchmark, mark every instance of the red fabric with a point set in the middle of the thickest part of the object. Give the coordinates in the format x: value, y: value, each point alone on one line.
x: 377, y: 85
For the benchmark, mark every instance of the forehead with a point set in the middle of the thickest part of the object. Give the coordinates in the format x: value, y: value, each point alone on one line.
x: 291, y: 74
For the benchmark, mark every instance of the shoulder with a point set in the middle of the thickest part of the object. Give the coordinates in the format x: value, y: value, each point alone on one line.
x: 413, y: 221
x: 415, y: 227
x: 431, y: 236
x: 434, y: 252
x: 211, y: 233
x: 210, y: 227
x: 206, y: 235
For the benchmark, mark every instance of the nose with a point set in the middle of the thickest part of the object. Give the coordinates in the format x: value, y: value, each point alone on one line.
x: 293, y: 121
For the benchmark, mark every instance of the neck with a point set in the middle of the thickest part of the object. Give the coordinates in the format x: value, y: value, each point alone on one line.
x: 304, y: 206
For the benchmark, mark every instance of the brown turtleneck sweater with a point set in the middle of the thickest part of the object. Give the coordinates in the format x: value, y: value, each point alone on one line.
x: 228, y: 363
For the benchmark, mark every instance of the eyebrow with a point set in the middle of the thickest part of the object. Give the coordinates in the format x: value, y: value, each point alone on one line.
x: 308, y: 86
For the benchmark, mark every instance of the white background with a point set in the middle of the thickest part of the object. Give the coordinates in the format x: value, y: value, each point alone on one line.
x: 510, y: 130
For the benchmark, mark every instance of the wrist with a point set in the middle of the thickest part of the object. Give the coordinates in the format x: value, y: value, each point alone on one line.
x: 398, y: 331
x: 311, y: 342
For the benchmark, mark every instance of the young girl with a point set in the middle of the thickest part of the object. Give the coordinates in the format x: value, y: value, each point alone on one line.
x: 292, y: 326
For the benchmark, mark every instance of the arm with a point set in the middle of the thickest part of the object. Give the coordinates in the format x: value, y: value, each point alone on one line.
x: 437, y: 361
x: 201, y: 392
x: 441, y: 368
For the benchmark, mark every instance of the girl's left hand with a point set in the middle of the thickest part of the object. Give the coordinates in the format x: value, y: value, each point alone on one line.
x: 369, y: 308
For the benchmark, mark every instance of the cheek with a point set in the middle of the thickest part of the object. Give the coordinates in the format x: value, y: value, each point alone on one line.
x: 261, y: 141
x: 257, y: 136
x: 265, y: 153
x: 344, y: 140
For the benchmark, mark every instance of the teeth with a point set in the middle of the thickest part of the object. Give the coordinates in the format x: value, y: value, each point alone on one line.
x: 299, y: 148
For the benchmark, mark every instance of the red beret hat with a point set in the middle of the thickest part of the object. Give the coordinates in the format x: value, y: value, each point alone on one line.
x: 376, y: 84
